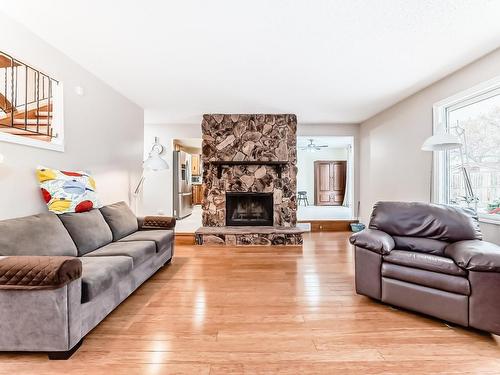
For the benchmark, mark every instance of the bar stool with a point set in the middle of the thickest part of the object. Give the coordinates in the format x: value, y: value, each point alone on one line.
x: 302, y: 197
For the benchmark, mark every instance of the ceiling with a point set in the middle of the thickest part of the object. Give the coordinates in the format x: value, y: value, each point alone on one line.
x: 328, y: 61
x: 331, y: 142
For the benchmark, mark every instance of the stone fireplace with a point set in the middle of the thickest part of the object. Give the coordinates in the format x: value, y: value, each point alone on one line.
x: 250, y: 180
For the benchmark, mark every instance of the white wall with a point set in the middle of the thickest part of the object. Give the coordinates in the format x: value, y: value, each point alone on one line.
x: 317, y: 130
x: 103, y: 131
x: 158, y: 186
x: 392, y: 165
x: 305, y: 167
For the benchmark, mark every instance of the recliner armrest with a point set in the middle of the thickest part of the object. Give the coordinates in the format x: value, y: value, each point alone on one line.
x: 156, y: 222
x: 374, y: 240
x: 38, y: 272
x: 475, y: 255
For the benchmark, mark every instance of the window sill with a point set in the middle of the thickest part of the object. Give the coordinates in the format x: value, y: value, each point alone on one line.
x: 489, y: 219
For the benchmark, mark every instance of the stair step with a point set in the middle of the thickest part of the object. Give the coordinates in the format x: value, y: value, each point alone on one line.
x: 31, y: 121
x: 31, y: 130
x: 44, y: 114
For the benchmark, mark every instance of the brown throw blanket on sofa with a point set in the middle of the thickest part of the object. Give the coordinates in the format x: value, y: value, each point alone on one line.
x: 38, y: 272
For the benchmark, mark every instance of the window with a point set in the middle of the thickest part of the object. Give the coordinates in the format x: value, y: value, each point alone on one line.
x: 30, y: 105
x: 473, y: 116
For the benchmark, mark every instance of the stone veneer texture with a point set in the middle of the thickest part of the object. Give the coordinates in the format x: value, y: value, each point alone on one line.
x: 249, y: 138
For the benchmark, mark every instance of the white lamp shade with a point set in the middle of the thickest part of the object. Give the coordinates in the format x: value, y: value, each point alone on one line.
x: 155, y: 162
x: 442, y: 142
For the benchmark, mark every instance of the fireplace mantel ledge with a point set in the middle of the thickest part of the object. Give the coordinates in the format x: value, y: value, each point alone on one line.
x: 220, y: 163
x: 250, y: 230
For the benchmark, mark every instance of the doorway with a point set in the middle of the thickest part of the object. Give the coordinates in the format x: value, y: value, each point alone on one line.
x: 325, y: 178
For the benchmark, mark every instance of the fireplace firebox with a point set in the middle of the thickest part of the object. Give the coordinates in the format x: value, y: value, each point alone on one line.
x: 243, y: 208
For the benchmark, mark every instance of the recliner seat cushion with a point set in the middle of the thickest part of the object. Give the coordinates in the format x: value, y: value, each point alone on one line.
x: 436, y: 280
x: 88, y: 230
x: 424, y: 261
x: 100, y: 273
x: 162, y: 238
x: 424, y: 245
x: 414, y: 219
x: 41, y: 234
x: 120, y: 219
x: 139, y: 251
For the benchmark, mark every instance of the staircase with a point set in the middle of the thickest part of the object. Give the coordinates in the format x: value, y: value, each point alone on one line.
x: 26, y: 100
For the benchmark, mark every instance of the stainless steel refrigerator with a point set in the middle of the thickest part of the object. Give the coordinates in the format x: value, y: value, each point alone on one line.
x: 183, y: 192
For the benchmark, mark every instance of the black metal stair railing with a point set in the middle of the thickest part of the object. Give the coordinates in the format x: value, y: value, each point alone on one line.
x: 37, y: 88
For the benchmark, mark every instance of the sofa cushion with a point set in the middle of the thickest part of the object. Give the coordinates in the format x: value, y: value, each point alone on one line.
x: 120, y: 219
x: 414, y: 219
x: 475, y: 255
x: 436, y: 280
x: 41, y: 234
x: 419, y: 244
x: 162, y: 238
x: 424, y: 261
x: 88, y: 230
x: 139, y: 251
x: 100, y: 273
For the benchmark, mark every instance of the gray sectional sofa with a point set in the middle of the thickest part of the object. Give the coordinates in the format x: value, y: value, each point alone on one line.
x: 61, y: 275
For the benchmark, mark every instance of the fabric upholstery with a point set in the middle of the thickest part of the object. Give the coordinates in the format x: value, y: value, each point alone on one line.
x: 162, y: 238
x: 100, y: 273
x: 424, y: 261
x: 120, y: 219
x: 38, y: 272
x: 374, y: 240
x: 448, y: 306
x: 65, y: 191
x: 88, y: 230
x: 413, y: 219
x: 475, y: 255
x: 367, y: 278
x: 41, y: 234
x: 139, y: 251
x: 419, y: 244
x: 157, y: 222
x: 436, y: 280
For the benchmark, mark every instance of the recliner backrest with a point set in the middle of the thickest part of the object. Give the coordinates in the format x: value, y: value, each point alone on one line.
x: 432, y: 221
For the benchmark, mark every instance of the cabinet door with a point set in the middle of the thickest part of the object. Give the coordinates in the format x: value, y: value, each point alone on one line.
x: 329, y: 180
x: 195, y: 165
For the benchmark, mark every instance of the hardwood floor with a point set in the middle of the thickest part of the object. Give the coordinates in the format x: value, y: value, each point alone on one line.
x: 265, y: 310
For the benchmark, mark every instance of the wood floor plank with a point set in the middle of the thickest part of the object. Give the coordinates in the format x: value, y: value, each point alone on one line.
x: 266, y: 310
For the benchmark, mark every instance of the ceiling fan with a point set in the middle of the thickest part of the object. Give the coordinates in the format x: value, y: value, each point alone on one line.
x: 311, y: 147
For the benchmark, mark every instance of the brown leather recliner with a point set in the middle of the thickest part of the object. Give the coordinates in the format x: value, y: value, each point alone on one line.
x: 431, y: 259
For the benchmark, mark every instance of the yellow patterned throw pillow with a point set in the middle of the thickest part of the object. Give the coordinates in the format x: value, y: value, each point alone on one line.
x: 65, y: 191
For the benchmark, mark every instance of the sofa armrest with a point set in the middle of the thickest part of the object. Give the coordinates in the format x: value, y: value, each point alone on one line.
x: 156, y: 222
x: 475, y: 255
x: 374, y: 240
x: 38, y: 272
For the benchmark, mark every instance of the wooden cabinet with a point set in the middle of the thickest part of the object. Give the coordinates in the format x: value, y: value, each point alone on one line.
x: 329, y: 182
x: 195, y: 165
x: 197, y: 194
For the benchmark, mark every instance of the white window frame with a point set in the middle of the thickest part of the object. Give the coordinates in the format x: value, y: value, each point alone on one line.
x: 440, y: 113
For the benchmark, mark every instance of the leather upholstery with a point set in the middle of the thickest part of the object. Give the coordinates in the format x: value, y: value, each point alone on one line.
x: 419, y: 244
x: 475, y: 255
x: 374, y: 240
x: 436, y: 280
x: 367, y: 276
x: 413, y: 219
x: 424, y: 261
x: 444, y: 305
x: 484, y: 303
x: 38, y: 272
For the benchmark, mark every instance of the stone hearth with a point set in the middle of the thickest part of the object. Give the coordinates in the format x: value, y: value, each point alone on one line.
x: 249, y: 154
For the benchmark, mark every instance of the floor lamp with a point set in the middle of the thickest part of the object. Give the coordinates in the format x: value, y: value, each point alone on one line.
x: 154, y: 162
x: 446, y: 142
